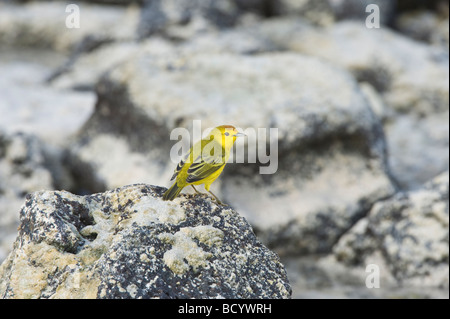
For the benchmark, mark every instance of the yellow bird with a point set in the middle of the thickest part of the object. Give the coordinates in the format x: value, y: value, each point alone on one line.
x: 204, y: 162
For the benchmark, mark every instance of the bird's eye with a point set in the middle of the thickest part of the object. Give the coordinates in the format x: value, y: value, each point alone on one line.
x: 226, y: 133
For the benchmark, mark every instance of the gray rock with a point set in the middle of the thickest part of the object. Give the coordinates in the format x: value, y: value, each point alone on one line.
x: 330, y: 144
x: 159, y: 16
x: 407, y: 236
x: 88, y: 69
x: 43, y: 24
x: 356, y: 9
x: 316, y: 277
x: 418, y: 148
x: 411, y: 79
x: 417, y: 84
x: 31, y: 106
x: 35, y: 123
x: 426, y: 26
x: 22, y: 170
x: 85, y: 71
x: 129, y: 243
x: 184, y: 19
x: 318, y: 12
x: 237, y: 40
x: 181, y: 19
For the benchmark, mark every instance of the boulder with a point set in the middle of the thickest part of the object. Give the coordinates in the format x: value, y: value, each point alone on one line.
x: 186, y: 17
x: 88, y: 69
x: 318, y: 12
x: 411, y: 79
x: 85, y: 71
x: 399, y: 250
x: 129, y: 243
x: 407, y: 236
x: 376, y: 56
x: 426, y: 26
x: 418, y: 148
x: 357, y: 9
x: 22, y: 170
x: 35, y: 124
x: 31, y: 106
x: 43, y: 24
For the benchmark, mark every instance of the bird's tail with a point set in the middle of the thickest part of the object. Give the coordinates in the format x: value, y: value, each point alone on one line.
x: 172, y: 192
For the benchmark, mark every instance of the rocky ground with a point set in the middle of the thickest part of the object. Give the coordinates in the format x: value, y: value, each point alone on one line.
x: 363, y: 143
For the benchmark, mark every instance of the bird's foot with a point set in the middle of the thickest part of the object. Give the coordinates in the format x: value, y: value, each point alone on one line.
x: 217, y: 200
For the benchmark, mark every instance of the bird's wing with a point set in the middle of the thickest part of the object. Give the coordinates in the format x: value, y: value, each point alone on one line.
x: 205, y: 165
x: 179, y: 166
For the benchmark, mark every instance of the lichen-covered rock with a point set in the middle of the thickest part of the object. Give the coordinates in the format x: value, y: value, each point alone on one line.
x: 407, y: 235
x: 22, y: 170
x: 129, y: 243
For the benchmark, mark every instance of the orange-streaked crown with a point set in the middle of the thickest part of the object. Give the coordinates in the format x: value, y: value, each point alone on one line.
x: 227, y: 128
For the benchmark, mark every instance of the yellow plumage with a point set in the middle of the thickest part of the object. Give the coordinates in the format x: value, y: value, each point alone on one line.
x: 204, y: 162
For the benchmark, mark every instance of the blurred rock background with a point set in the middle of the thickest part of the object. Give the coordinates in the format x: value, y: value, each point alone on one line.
x: 362, y: 114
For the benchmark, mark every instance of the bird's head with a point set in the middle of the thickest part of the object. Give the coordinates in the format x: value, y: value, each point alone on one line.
x: 226, y: 135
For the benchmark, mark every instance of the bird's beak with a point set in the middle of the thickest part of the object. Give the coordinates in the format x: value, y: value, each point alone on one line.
x: 239, y: 134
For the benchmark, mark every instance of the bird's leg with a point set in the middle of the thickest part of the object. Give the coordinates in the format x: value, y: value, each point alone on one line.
x: 217, y: 199
x: 196, y: 190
